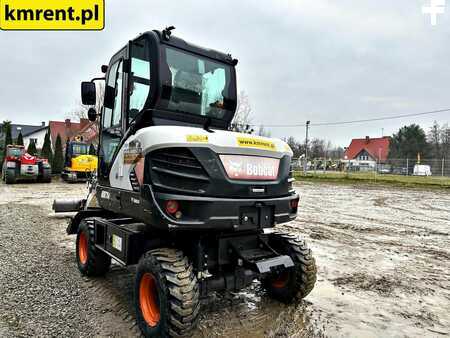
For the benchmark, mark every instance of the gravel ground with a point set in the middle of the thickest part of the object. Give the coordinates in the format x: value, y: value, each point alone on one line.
x: 383, y: 256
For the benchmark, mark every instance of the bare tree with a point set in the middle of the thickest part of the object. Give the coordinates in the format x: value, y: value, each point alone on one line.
x: 434, y: 138
x: 317, y: 148
x: 81, y: 110
x: 243, y: 117
x: 445, y: 141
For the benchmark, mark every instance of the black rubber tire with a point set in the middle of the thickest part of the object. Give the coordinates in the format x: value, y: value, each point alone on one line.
x: 46, y: 176
x: 98, y: 262
x: 10, y: 176
x: 177, y: 292
x: 301, y: 278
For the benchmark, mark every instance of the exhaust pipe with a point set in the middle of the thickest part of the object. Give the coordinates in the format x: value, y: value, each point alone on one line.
x: 66, y: 205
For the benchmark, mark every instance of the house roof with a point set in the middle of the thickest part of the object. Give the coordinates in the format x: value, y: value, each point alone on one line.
x: 378, y: 148
x: 26, y: 129
x: 66, y: 129
x: 89, y: 133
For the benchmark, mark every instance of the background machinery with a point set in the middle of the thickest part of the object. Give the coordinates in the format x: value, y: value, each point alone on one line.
x: 78, y: 163
x: 19, y: 165
x: 189, y: 202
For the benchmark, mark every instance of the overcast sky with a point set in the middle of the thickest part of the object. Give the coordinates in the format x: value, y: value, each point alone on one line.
x: 322, y: 61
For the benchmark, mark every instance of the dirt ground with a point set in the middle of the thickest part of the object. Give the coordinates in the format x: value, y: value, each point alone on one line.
x: 383, y: 257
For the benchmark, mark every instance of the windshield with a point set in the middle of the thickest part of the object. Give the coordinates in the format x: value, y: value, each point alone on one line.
x: 79, y: 149
x: 15, y: 152
x: 197, y: 85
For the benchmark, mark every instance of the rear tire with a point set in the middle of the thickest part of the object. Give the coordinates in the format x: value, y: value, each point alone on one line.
x: 46, y: 176
x: 295, y: 282
x: 166, y: 294
x: 90, y: 260
x: 10, y: 176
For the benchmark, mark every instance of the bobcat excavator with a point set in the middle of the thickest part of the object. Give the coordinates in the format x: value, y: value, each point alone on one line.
x: 192, y: 204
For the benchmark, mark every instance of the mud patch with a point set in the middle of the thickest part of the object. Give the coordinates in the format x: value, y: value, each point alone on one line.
x: 384, y: 285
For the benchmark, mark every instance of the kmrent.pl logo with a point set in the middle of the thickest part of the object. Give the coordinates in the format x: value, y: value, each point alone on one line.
x: 52, y: 14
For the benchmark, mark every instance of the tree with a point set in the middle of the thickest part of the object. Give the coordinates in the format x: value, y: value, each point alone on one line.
x: 242, y: 117
x: 58, y: 159
x: 80, y: 112
x: 46, y: 151
x: 434, y: 138
x: 445, y: 141
x: 19, y: 139
x: 408, y: 142
x: 32, y: 148
x: 317, y: 148
x: 295, y: 146
x: 6, y: 130
x: 92, y: 150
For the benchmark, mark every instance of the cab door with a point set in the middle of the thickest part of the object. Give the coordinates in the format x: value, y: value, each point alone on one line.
x: 112, y: 122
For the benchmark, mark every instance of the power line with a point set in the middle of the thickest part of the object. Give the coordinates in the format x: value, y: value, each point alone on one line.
x: 353, y: 121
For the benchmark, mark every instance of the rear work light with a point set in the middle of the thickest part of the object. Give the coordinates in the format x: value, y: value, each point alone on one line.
x: 294, y: 203
x: 172, y: 207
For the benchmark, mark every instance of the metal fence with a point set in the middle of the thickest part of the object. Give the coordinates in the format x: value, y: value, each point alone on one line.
x: 406, y: 167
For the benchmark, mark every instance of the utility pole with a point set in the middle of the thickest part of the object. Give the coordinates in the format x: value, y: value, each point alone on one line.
x: 306, y: 147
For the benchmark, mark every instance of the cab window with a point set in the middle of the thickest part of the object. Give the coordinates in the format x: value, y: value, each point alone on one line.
x: 140, y: 77
x: 112, y: 128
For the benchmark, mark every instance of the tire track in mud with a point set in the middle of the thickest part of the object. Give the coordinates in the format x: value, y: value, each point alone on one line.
x: 382, y: 252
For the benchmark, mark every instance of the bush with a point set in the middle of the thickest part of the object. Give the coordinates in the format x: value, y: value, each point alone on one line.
x: 58, y: 159
x: 32, y: 148
x: 19, y: 139
x: 46, y: 151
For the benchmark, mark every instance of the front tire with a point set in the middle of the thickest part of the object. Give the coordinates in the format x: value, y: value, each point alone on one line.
x: 10, y: 176
x: 90, y: 260
x: 166, y: 294
x: 295, y: 282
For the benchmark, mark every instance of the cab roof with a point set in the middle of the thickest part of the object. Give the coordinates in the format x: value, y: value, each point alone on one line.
x: 190, y: 47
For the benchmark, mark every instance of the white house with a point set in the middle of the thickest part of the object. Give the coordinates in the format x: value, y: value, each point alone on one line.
x: 37, y: 136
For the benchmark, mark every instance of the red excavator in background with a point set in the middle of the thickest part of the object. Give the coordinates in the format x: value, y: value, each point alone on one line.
x: 18, y: 165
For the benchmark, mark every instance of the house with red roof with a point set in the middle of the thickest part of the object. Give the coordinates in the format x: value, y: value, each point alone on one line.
x: 69, y: 130
x: 367, y: 152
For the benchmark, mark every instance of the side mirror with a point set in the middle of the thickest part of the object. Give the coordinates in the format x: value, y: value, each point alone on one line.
x: 88, y: 93
x: 92, y: 114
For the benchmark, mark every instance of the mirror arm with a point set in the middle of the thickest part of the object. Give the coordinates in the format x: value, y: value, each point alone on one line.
x: 98, y: 79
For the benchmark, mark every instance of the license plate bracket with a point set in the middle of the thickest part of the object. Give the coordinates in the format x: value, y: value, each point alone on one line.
x: 256, y: 217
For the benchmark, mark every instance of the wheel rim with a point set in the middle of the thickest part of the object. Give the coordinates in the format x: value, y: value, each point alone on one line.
x: 281, y: 281
x: 148, y: 299
x: 82, y: 248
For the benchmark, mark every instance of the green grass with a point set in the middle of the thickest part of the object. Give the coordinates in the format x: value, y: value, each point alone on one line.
x: 374, y: 178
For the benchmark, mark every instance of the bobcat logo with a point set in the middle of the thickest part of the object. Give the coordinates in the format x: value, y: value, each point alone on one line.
x: 235, y: 167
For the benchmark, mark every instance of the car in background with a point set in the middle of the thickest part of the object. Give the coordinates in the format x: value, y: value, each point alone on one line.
x: 422, y: 170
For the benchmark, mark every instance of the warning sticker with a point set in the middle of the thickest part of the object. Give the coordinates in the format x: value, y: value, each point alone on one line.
x: 132, y: 152
x: 252, y: 142
x: 197, y: 138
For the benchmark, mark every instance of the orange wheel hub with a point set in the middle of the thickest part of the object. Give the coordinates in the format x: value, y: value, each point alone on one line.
x: 82, y: 248
x: 281, y: 281
x: 148, y: 299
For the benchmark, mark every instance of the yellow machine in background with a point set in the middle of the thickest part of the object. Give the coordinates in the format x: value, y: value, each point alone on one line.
x: 78, y: 164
